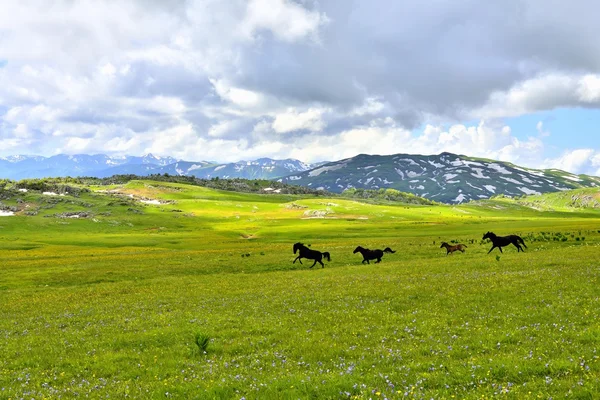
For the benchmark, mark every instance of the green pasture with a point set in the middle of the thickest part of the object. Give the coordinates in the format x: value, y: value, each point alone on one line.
x: 113, y: 304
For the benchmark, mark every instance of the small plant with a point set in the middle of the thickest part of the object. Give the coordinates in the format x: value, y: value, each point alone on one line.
x: 497, y: 258
x: 202, y: 340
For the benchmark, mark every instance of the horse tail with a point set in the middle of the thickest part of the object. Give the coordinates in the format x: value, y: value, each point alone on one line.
x: 326, y: 255
x: 388, y: 250
x: 521, y: 240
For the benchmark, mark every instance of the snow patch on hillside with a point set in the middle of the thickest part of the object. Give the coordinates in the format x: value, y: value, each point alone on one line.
x: 470, y: 163
x: 490, y: 188
x: 437, y: 165
x: 528, y: 191
x: 460, y: 198
x: 409, y: 161
x: 474, y: 187
x: 572, y: 178
x: 511, y: 180
x: 499, y: 168
x: 450, y: 176
x: 479, y: 173
x: 196, y: 166
x: 319, y: 171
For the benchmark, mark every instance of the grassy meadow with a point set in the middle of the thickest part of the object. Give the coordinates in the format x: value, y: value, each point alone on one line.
x: 197, y: 297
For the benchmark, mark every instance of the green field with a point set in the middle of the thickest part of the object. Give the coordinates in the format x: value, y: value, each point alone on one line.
x: 112, y: 304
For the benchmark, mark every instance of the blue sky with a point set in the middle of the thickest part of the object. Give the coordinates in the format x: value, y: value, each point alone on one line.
x: 517, y: 80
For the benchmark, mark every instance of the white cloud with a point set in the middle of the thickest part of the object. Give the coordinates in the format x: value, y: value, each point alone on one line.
x: 540, y: 128
x: 545, y: 92
x: 371, y: 106
x: 293, y: 120
x: 287, y: 20
x: 575, y: 161
x: 589, y: 88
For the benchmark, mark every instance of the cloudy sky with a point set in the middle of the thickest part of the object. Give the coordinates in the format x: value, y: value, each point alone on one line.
x: 515, y: 80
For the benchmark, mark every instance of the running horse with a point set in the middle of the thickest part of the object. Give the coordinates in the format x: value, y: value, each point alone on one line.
x: 372, y: 254
x: 451, y: 249
x: 305, y: 252
x: 501, y: 241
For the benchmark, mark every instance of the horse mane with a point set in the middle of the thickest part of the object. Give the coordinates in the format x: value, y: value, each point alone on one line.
x: 359, y: 248
x: 298, y: 246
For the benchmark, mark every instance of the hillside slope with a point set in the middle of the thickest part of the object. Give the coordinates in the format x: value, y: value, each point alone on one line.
x: 447, y: 178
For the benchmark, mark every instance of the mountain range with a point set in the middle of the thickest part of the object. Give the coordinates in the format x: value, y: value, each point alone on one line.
x: 446, y: 177
x: 101, y: 166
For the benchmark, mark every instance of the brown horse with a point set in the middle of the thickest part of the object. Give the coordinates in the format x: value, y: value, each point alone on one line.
x: 451, y: 249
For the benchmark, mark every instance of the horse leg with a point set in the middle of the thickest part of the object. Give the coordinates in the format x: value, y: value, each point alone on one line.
x: 493, y: 247
x: 321, y: 262
x: 314, y: 263
x: 297, y: 259
x: 378, y: 260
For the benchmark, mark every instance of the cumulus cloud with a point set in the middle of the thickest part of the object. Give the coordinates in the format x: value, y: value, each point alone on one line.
x: 293, y: 120
x: 204, y: 79
x: 544, y: 92
x: 579, y: 161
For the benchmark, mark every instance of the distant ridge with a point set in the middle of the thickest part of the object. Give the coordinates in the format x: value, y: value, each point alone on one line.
x: 100, y: 165
x: 446, y: 177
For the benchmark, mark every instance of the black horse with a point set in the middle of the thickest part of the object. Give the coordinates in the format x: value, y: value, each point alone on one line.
x: 305, y: 252
x: 501, y: 241
x: 372, y: 254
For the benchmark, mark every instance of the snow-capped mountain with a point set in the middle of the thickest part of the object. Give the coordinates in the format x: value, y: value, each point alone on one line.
x: 21, y: 167
x: 263, y: 168
x: 100, y: 165
x: 447, y: 178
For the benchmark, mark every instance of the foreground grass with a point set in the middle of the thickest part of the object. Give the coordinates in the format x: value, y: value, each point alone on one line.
x: 97, y: 309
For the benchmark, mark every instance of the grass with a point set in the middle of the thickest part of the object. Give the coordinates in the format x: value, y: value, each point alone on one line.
x: 121, y: 304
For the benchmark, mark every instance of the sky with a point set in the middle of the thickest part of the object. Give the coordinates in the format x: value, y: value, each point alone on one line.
x: 516, y: 80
